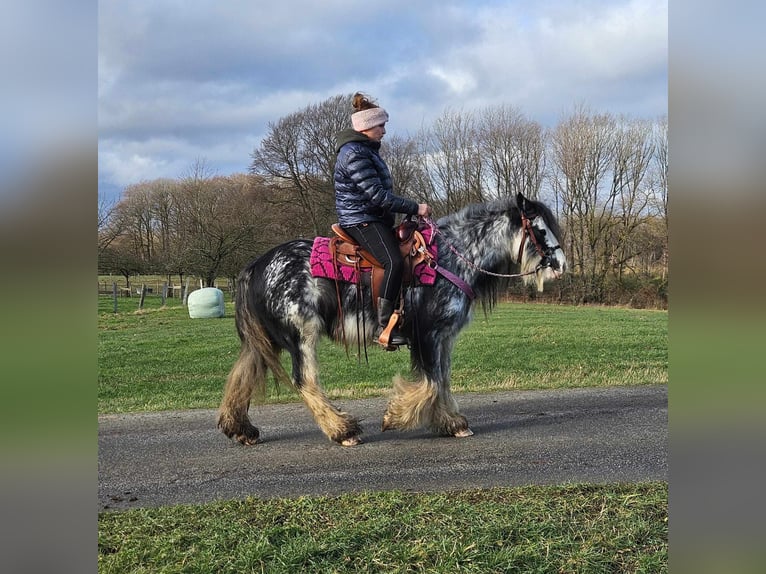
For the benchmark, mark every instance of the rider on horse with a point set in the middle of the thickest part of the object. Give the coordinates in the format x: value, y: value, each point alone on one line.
x: 365, y: 203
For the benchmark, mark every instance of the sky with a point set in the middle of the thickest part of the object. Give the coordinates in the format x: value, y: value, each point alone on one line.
x: 181, y: 82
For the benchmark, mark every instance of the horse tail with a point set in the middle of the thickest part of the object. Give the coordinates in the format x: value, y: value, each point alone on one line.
x: 257, y: 341
x: 258, y: 354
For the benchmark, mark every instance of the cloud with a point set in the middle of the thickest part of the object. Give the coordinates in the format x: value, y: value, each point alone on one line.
x: 179, y: 80
x: 458, y: 81
x: 545, y: 57
x: 619, y: 41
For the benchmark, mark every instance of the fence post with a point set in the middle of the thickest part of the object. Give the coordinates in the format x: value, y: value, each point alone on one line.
x: 114, y: 295
x: 164, y: 292
x: 185, y: 293
x: 143, y: 295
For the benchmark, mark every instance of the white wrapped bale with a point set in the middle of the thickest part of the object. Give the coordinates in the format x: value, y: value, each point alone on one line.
x: 206, y: 303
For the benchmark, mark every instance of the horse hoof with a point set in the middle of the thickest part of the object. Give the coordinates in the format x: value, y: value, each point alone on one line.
x: 463, y: 433
x: 351, y: 441
x: 247, y: 440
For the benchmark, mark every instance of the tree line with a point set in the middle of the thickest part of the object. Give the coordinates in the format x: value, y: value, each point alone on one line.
x: 605, y: 176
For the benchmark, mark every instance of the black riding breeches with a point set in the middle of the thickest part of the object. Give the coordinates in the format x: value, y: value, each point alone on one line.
x: 379, y: 240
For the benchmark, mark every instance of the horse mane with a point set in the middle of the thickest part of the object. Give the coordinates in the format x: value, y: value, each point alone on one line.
x: 479, y: 217
x: 550, y: 219
x: 491, y: 209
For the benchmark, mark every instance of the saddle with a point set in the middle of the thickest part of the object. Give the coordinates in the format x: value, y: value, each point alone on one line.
x: 346, y: 251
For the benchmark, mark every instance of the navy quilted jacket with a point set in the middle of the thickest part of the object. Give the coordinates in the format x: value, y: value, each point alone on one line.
x: 363, y: 184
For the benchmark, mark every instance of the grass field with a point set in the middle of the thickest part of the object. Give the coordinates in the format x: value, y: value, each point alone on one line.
x: 575, y: 528
x: 159, y: 359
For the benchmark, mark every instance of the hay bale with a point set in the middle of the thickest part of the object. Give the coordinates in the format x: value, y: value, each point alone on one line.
x: 206, y: 303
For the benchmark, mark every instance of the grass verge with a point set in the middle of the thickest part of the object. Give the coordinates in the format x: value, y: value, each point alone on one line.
x: 573, y: 528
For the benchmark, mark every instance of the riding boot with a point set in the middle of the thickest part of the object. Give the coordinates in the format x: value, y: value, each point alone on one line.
x: 385, y: 310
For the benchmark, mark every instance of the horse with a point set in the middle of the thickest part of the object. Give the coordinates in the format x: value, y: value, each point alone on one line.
x: 280, y: 306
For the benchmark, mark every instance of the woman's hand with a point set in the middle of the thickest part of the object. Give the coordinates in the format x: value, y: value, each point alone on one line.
x: 424, y: 210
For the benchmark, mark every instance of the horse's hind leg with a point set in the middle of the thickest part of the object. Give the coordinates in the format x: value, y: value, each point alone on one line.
x: 337, y: 425
x: 247, y: 374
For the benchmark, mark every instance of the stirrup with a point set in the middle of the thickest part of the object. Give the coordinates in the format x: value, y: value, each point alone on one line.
x: 385, y: 335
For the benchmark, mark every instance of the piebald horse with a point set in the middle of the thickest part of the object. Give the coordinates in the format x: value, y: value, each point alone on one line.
x: 281, y: 306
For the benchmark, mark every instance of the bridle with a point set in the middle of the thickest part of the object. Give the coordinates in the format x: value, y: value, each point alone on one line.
x: 527, y: 230
x: 545, y: 254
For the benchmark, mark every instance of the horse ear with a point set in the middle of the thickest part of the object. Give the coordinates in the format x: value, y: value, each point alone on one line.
x: 520, y: 201
x: 525, y: 206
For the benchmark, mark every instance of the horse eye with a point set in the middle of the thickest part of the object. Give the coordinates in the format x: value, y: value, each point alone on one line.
x: 542, y: 232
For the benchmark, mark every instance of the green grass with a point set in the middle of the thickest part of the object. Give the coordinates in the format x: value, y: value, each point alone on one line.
x: 573, y: 528
x: 160, y: 359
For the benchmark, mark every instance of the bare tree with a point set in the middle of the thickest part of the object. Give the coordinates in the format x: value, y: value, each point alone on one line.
x: 166, y: 197
x: 659, y: 185
x: 634, y: 149
x: 601, y: 177
x: 120, y: 258
x: 218, y: 219
x: 452, y: 160
x: 513, y: 149
x: 128, y: 238
x: 202, y: 224
x: 110, y: 226
x: 401, y: 155
x: 137, y: 213
x: 583, y: 150
x: 298, y: 155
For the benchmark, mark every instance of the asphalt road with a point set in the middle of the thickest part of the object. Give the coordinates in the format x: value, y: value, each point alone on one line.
x: 521, y: 437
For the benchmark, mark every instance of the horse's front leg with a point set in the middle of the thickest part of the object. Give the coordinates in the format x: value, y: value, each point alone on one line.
x: 454, y: 423
x: 427, y: 401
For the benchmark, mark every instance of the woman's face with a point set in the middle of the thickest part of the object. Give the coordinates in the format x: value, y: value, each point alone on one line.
x: 376, y: 133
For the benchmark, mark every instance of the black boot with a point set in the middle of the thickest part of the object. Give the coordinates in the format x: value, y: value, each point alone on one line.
x: 385, y: 310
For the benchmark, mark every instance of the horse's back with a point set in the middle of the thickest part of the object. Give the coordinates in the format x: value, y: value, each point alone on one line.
x: 279, y: 290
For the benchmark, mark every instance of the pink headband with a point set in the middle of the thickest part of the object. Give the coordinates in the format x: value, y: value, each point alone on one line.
x: 369, y: 118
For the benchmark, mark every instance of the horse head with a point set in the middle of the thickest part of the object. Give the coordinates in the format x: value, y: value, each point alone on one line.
x: 540, y: 249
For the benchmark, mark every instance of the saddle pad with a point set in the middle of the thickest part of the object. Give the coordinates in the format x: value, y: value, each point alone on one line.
x: 322, y: 264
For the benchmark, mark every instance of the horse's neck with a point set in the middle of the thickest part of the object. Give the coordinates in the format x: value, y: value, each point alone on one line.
x: 484, y: 246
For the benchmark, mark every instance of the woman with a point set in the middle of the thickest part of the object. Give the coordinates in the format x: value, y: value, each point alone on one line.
x: 365, y: 201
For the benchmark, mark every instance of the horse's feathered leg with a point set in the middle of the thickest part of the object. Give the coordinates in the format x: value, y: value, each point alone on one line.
x: 427, y: 400
x: 247, y: 376
x: 337, y: 425
x: 424, y: 403
x: 448, y: 420
x: 244, y: 376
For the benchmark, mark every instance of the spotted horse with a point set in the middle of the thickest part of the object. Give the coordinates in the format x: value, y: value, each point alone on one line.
x: 281, y: 306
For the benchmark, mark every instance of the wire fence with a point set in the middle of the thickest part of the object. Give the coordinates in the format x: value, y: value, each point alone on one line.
x: 118, y: 295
